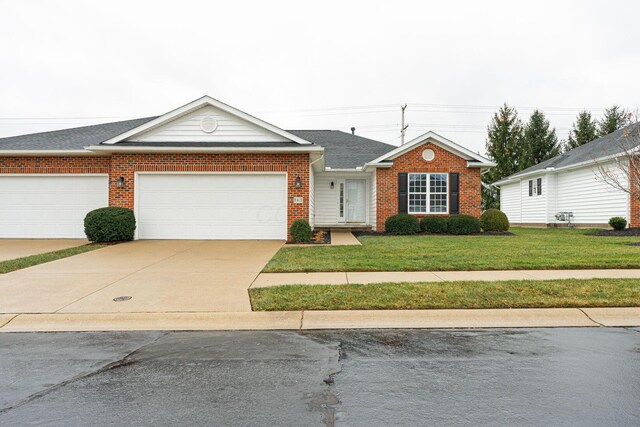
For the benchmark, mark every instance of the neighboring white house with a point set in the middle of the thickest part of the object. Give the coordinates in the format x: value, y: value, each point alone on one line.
x: 569, y: 186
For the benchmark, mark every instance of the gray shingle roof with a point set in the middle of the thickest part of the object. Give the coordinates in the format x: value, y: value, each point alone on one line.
x: 70, y: 139
x: 608, y: 145
x: 344, y: 150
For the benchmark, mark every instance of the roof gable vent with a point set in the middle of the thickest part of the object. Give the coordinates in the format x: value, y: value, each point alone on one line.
x: 208, y: 124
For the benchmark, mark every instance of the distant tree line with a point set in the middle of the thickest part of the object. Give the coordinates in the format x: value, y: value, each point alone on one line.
x: 514, y: 145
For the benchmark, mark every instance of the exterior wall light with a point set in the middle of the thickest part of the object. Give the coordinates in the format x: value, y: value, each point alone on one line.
x: 298, y: 182
x: 120, y: 182
x: 332, y: 185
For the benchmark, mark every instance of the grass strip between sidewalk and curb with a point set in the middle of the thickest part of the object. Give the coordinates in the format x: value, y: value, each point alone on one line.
x: 450, y: 295
x: 29, y: 261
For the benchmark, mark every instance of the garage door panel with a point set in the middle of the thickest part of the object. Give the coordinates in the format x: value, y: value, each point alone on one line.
x: 41, y: 206
x: 212, y: 206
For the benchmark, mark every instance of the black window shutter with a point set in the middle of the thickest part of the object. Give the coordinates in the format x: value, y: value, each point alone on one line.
x: 530, y: 187
x: 454, y: 193
x: 539, y: 186
x: 402, y: 193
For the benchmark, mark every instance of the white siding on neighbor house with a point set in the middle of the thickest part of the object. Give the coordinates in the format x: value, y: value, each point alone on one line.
x: 187, y: 128
x: 552, y: 198
x: 510, y: 202
x: 326, y: 198
x: 534, y: 208
x: 591, y: 201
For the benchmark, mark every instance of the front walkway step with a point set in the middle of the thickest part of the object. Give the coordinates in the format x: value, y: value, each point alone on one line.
x: 343, y: 278
x: 344, y: 238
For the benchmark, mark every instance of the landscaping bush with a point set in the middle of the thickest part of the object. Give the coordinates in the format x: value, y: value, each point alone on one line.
x: 434, y: 224
x: 494, y: 220
x: 300, y: 231
x: 618, y: 223
x: 463, y: 224
x: 110, y: 225
x: 402, y: 224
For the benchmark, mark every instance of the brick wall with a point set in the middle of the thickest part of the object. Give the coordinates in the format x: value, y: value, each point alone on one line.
x: 65, y: 164
x: 295, y: 165
x: 634, y: 221
x: 412, y: 161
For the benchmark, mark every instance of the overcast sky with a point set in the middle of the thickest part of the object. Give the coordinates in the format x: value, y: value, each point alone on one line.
x: 320, y: 65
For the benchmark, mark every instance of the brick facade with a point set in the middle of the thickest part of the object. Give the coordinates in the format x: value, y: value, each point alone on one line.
x: 125, y: 165
x: 412, y: 161
x: 634, y: 204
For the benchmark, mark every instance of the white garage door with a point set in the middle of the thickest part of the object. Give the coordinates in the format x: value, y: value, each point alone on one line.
x: 46, y: 206
x: 212, y: 206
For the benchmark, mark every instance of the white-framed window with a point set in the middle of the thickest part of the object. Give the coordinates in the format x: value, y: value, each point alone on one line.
x: 428, y: 193
x: 535, y: 187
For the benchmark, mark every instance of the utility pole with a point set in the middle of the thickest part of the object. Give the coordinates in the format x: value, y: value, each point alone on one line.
x: 403, y: 127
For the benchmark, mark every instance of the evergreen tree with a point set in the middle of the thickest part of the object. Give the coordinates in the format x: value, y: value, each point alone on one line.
x: 504, y: 146
x: 584, y: 130
x: 540, y: 140
x: 614, y: 118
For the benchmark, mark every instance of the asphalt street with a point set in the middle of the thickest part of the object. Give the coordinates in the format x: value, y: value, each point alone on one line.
x: 582, y: 376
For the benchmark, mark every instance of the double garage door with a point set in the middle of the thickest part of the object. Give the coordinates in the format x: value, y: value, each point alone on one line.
x: 168, y: 206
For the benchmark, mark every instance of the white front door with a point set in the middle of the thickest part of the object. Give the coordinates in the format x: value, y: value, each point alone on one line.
x: 356, y: 202
x: 212, y: 206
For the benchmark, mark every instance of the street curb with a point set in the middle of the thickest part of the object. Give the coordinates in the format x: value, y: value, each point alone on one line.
x: 308, y: 320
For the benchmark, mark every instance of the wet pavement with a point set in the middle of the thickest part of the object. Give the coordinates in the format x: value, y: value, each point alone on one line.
x: 582, y: 376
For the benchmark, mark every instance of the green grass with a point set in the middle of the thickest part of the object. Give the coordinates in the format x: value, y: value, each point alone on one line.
x: 439, y: 295
x: 29, y: 261
x: 528, y: 249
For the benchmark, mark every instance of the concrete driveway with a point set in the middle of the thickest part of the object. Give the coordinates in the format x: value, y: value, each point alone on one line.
x: 158, y: 275
x: 18, y: 248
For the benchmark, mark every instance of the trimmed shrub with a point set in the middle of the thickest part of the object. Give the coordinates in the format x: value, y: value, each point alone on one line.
x: 494, y: 220
x: 463, y: 224
x: 618, y: 223
x: 434, y: 224
x: 110, y: 225
x: 402, y: 224
x: 300, y: 231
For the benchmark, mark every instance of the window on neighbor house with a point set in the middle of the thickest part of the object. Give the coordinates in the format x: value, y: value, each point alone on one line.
x: 535, y: 187
x: 341, y: 200
x: 428, y: 193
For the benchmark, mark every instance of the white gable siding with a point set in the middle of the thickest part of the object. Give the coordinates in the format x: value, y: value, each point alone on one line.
x: 591, y: 201
x: 187, y: 128
x: 510, y: 202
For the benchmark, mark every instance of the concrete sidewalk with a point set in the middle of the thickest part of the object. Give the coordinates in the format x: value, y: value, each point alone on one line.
x: 265, y: 280
x: 299, y: 320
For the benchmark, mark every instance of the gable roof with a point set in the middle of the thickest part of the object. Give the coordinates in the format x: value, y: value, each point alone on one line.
x: 195, y: 105
x: 344, y: 150
x: 604, y: 147
x: 70, y: 139
x: 474, y: 159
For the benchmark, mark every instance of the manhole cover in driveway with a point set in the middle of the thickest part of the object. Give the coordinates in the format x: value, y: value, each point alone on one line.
x: 124, y: 298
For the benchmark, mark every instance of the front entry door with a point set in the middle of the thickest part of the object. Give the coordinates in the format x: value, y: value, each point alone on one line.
x: 356, y: 206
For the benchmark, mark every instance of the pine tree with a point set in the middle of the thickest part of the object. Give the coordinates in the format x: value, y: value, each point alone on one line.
x: 540, y: 140
x: 614, y: 118
x: 504, y: 146
x: 584, y: 130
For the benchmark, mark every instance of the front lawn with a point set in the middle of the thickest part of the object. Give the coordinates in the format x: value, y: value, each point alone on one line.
x: 529, y: 248
x: 29, y: 261
x: 440, y: 295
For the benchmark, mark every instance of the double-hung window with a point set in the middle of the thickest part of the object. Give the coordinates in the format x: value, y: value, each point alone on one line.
x: 428, y: 193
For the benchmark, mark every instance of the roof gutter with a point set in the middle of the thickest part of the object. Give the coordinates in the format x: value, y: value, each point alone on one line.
x: 377, y: 165
x: 121, y: 149
x: 25, y: 153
